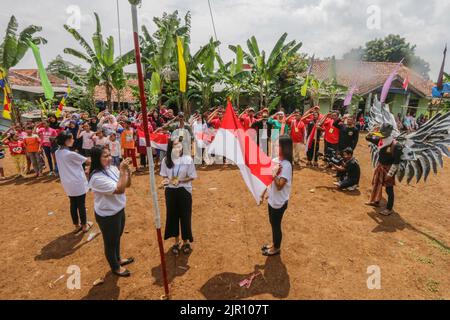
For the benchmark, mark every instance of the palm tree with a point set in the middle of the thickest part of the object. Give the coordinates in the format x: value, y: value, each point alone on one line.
x: 265, y: 72
x: 104, y: 68
x: 14, y: 47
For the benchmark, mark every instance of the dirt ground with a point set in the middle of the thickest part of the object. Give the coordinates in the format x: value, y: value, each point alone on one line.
x: 330, y: 239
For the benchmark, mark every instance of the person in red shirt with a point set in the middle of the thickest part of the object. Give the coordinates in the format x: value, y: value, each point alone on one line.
x: 17, y: 151
x: 47, y: 136
x: 247, y: 118
x: 297, y: 127
x: 332, y: 132
x: 215, y: 119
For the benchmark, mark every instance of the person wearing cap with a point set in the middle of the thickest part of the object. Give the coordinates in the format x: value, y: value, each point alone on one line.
x: 389, y: 157
x: 181, y: 130
x: 279, y: 128
x: 247, y: 118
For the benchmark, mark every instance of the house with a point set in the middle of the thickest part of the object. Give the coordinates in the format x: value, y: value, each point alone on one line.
x: 126, y: 97
x: 371, y: 77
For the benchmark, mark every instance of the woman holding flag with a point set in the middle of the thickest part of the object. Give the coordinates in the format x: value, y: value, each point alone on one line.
x: 278, y: 193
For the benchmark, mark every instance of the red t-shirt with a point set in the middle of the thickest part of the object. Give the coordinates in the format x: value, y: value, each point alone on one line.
x: 331, y: 132
x: 46, y: 134
x: 247, y: 122
x: 215, y: 123
x: 297, y: 130
x: 16, y: 147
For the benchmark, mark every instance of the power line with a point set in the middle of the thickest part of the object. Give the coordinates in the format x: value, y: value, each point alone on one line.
x: 213, y: 24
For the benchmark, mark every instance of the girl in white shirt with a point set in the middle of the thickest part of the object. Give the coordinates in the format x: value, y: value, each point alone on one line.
x: 73, y: 179
x: 108, y: 184
x: 279, y: 193
x: 178, y: 171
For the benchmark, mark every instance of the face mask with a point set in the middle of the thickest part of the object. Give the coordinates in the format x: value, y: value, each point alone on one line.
x: 176, y: 152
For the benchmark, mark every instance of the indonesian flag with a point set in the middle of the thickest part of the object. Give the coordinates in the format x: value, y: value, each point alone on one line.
x: 204, y: 139
x: 159, y: 140
x: 233, y: 142
x: 406, y: 83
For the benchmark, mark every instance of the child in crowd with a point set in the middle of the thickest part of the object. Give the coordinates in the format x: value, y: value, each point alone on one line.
x: 32, y: 145
x: 86, y: 135
x: 100, y: 139
x: 128, y: 143
x: 114, y: 149
x: 17, y: 152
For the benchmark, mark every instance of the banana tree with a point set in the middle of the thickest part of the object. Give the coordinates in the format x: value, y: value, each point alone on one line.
x: 266, y: 71
x: 104, y: 69
x: 202, y: 74
x: 13, y: 49
x: 159, y: 50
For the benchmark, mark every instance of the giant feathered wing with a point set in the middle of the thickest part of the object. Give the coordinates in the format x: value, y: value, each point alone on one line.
x: 423, y: 150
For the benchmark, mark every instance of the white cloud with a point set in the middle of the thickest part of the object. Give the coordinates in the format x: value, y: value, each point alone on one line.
x: 326, y: 27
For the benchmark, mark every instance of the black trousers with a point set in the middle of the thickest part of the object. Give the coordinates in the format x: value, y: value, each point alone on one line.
x: 143, y: 159
x: 310, y: 153
x: 112, y: 229
x: 178, y: 212
x: 275, y: 217
x: 328, y: 146
x: 391, y: 197
x: 78, y: 209
x: 48, y: 154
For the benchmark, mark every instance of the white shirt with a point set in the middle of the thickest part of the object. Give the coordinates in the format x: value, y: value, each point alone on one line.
x: 183, y: 168
x: 114, y: 148
x: 71, y: 172
x: 88, y: 143
x: 277, y: 198
x: 103, y: 184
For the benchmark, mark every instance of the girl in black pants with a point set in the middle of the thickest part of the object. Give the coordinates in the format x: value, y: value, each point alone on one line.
x: 73, y: 179
x: 108, y: 184
x: 279, y: 192
x: 178, y: 172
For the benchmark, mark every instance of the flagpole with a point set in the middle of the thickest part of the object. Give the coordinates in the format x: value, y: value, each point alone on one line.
x: 157, y: 216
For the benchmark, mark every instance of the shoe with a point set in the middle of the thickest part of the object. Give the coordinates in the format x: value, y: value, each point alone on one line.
x: 386, y: 212
x: 125, y: 273
x: 130, y: 260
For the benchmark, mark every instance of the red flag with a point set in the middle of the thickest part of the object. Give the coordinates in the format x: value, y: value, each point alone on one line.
x: 234, y: 143
x: 406, y: 83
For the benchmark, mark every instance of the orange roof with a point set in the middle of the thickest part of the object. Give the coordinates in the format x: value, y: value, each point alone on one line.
x: 126, y: 94
x: 371, y: 75
x: 30, y: 77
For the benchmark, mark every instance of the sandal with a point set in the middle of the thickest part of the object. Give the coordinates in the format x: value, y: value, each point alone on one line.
x: 266, y: 247
x: 89, y: 226
x: 270, y: 254
x: 176, y: 249
x: 186, y: 248
x: 78, y: 229
x: 127, y: 261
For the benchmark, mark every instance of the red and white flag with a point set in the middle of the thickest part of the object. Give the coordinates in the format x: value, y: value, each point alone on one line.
x: 159, y: 140
x: 406, y: 83
x: 233, y: 142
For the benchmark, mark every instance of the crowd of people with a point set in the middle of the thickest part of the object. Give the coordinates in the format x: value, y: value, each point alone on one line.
x: 98, y: 153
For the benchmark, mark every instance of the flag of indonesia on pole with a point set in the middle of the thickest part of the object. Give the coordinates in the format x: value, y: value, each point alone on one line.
x: 234, y: 143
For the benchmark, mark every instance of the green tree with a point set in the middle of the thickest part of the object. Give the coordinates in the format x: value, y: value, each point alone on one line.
x: 59, y: 63
x: 104, y: 69
x: 266, y: 70
x: 14, y: 47
x: 392, y: 48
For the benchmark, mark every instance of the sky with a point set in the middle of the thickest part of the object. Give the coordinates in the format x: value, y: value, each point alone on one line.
x: 325, y: 27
